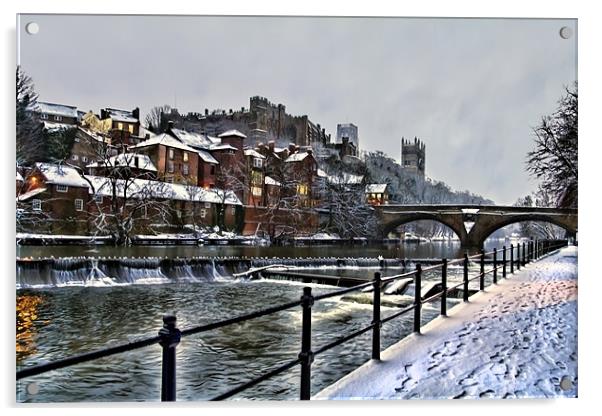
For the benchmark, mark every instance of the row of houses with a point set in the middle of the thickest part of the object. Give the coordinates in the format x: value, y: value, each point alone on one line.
x: 175, y: 177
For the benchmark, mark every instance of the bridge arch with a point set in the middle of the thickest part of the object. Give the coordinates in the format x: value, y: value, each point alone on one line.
x: 391, y: 224
x: 486, y: 228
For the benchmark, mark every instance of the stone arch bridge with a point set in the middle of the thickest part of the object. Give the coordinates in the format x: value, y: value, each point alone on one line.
x: 474, y: 223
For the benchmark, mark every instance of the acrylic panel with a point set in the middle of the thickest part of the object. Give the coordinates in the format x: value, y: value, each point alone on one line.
x: 241, y: 208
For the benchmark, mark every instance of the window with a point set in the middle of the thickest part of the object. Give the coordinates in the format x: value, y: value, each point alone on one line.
x: 256, y: 191
x: 170, y: 166
x: 131, y: 128
x: 212, y: 171
x: 62, y: 188
x: 79, y: 204
x: 185, y: 169
x: 98, y: 198
x: 171, y: 153
x: 58, y: 118
x: 203, y: 213
x: 120, y: 126
x: 75, y: 157
x: 207, y: 204
x: 36, y: 205
x: 257, y: 162
x: 233, y: 210
x: 145, y: 212
x: 185, y: 157
x: 84, y: 159
x: 44, y: 116
x: 302, y: 189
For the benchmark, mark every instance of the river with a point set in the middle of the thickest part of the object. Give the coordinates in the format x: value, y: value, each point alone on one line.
x: 55, y: 321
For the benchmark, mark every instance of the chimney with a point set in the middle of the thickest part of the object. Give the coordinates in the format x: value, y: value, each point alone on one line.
x: 206, y: 112
x: 310, y: 151
x: 292, y: 147
x: 230, y: 111
x: 242, y: 109
x: 136, y: 113
x: 271, y: 145
x: 146, y: 136
x: 169, y: 125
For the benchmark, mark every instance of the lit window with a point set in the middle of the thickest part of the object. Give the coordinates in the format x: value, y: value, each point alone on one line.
x: 171, y: 153
x: 75, y: 157
x: 203, y: 213
x: 84, y: 159
x: 62, y: 188
x: 256, y: 191
x: 257, y: 162
x: 36, y: 205
x: 120, y: 126
x: 233, y: 210
x: 131, y: 128
x: 302, y: 189
x: 79, y: 204
x: 58, y: 118
x: 185, y: 157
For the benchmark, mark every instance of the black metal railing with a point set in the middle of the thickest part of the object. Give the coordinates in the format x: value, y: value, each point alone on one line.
x: 169, y: 335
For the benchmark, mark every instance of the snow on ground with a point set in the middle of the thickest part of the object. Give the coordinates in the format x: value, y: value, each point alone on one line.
x: 517, y: 339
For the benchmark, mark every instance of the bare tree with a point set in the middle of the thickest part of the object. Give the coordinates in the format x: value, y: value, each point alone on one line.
x: 125, y: 199
x: 554, y: 159
x: 155, y: 121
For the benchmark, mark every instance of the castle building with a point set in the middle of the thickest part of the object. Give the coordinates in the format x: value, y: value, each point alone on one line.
x: 261, y: 122
x: 413, y: 156
x: 348, y: 130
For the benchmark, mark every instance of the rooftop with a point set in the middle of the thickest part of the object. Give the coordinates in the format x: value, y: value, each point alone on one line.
x: 61, y: 174
x: 132, y: 160
x: 232, y: 133
x: 57, y: 109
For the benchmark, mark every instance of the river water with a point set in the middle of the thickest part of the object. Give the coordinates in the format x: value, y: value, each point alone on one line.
x: 55, y: 322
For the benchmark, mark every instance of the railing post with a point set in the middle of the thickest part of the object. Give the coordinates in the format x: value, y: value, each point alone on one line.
x: 511, y: 258
x: 504, y: 263
x: 417, y: 297
x: 444, y: 287
x: 306, y: 355
x: 376, y: 318
x: 482, y: 276
x: 465, y: 288
x: 170, y: 338
x: 495, y: 266
x: 518, y: 256
x: 524, y: 255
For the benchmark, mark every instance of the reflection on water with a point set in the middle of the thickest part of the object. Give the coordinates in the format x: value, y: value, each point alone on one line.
x: 449, y: 249
x: 27, y: 323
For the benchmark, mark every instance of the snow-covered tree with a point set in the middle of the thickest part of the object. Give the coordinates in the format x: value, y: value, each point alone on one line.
x: 155, y: 120
x: 554, y: 159
x: 30, y: 144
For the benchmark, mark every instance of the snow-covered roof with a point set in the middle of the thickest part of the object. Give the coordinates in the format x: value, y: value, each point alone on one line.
x: 214, y: 140
x: 254, y: 153
x: 132, y: 160
x: 25, y: 196
x: 222, y: 147
x: 322, y: 174
x: 206, y: 156
x: 61, y: 175
x: 232, y: 133
x: 270, y: 181
x: 192, y: 139
x: 57, y: 109
x: 94, y: 135
x: 142, y: 132
x: 165, y: 140
x: 297, y: 157
x: 19, y: 177
x: 121, y: 115
x: 143, y: 188
x: 376, y: 188
x: 50, y: 126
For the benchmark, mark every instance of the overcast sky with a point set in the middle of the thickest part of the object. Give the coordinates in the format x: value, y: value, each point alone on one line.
x: 471, y: 89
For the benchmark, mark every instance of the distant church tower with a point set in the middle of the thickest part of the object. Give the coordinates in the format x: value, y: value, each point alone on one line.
x: 413, y: 156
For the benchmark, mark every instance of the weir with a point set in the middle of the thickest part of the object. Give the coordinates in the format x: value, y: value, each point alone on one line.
x: 81, y: 271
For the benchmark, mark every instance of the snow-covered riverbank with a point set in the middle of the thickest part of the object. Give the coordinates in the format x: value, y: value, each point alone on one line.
x: 516, y: 339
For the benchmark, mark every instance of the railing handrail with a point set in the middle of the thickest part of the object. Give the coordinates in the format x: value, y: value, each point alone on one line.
x: 533, y: 254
